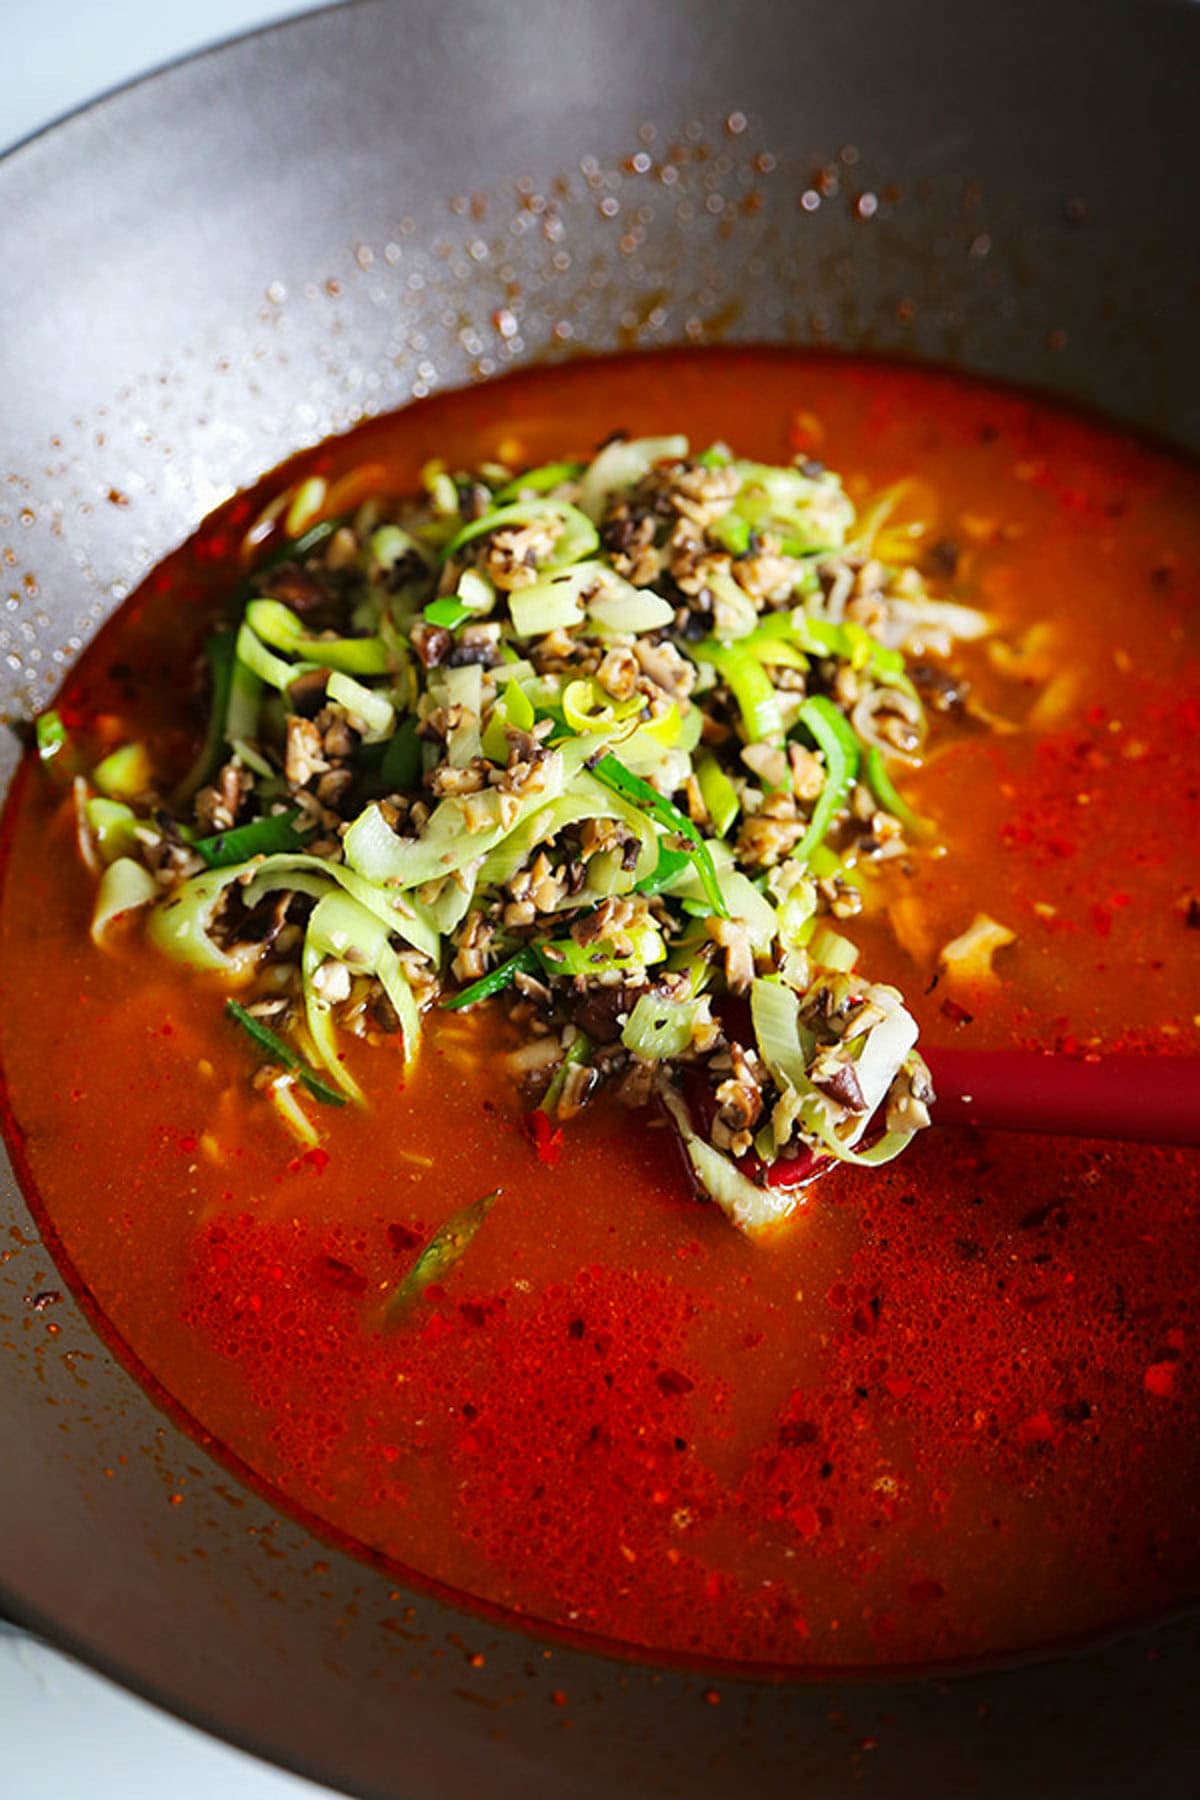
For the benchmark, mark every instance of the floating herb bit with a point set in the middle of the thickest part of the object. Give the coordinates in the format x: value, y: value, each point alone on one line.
x: 283, y: 1054
x: 448, y: 1243
x: 525, y: 962
x: 276, y: 834
x: 613, y: 773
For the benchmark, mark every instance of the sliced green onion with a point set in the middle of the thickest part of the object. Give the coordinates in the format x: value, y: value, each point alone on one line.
x: 181, y: 924
x: 538, y: 481
x: 750, y: 685
x: 566, y: 957
x: 278, y: 626
x: 786, y: 1050
x: 664, y: 812
x: 880, y: 784
x: 450, y: 612
x: 126, y: 774
x: 52, y: 739
x: 401, y: 763
x: 718, y: 793
x: 439, y: 1256
x: 220, y: 654
x: 269, y: 668
x: 271, y: 836
x: 282, y: 1053
x: 577, y: 539
x: 554, y: 604
x: 732, y: 532
x: 577, y: 1052
x: 841, y: 749
x: 670, y: 865
x: 476, y: 592
x: 525, y: 962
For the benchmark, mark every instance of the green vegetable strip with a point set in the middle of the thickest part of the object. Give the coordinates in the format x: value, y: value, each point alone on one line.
x: 448, y: 612
x: 825, y: 724
x: 525, y: 962
x: 264, y: 837
x: 279, y: 627
x: 51, y: 736
x: 401, y: 763
x: 56, y: 751
x: 578, y: 1051
x: 219, y: 651
x: 578, y: 539
x: 750, y: 686
x: 670, y: 864
x: 733, y: 532
x: 439, y: 1256
x: 283, y: 1053
x: 539, y: 481
x: 718, y: 793
x: 615, y: 775
x: 880, y: 784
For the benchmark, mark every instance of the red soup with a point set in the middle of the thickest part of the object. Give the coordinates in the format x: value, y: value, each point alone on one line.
x: 948, y: 1407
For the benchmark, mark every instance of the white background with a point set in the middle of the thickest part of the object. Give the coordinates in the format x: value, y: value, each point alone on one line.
x: 66, y: 1734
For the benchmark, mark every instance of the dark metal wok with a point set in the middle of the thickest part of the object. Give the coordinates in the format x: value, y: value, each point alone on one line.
x: 256, y: 248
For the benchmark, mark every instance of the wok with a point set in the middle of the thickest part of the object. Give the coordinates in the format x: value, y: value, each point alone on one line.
x: 256, y: 248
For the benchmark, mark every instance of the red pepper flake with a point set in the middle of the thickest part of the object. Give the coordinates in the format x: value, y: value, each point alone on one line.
x: 1038, y: 1428
x: 404, y: 1237
x: 957, y: 1015
x: 897, y: 1386
x: 546, y: 1139
x: 1101, y: 919
x: 925, y: 1590
x: 711, y: 1697
x: 317, y: 1159
x: 806, y: 1520
x: 1159, y: 1380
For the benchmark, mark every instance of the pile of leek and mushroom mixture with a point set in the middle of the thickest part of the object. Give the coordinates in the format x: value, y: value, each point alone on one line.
x: 612, y: 745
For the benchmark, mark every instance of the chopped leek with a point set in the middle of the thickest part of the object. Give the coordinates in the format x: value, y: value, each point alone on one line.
x: 576, y: 539
x: 280, y: 628
x: 834, y: 738
x: 621, y: 465
x: 657, y: 1028
x: 880, y: 783
x: 124, y: 887
x: 750, y: 685
x: 718, y: 793
x: 126, y: 774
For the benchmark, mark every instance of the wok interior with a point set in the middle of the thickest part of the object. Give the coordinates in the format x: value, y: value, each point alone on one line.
x: 258, y: 249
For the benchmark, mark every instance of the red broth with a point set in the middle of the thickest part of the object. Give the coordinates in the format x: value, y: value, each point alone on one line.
x: 954, y: 1410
